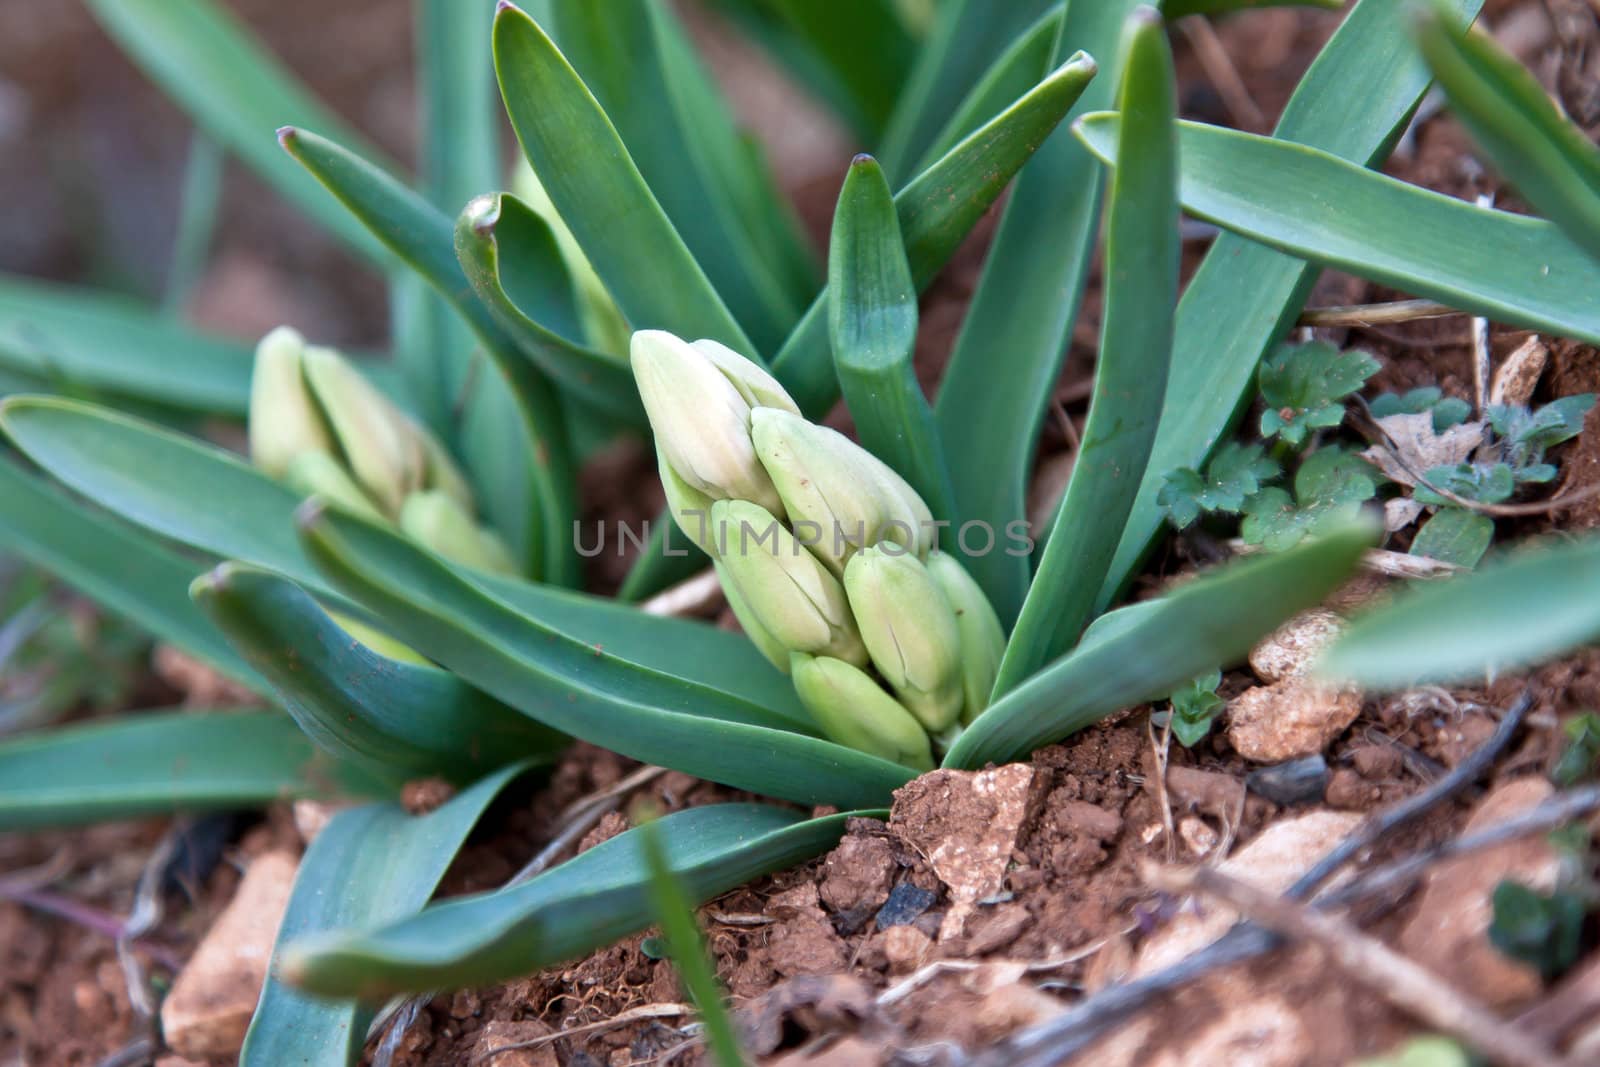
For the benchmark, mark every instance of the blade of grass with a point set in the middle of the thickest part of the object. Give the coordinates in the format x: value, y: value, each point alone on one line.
x: 674, y: 914
x: 591, y: 900
x: 532, y: 495
x: 1313, y: 205
x: 1353, y: 101
x: 370, y: 865
x: 599, y: 191
x: 237, y: 92
x: 997, y: 386
x: 400, y: 720
x: 1551, y: 161
x: 122, y: 568
x: 583, y: 689
x: 1141, y: 271
x: 107, y: 343
x: 1177, y: 9
x: 1516, y: 611
x: 163, y: 763
x: 1145, y: 651
x: 197, y: 220
x: 873, y: 324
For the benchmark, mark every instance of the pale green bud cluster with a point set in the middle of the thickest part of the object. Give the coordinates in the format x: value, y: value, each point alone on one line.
x: 825, y: 553
x: 318, y: 426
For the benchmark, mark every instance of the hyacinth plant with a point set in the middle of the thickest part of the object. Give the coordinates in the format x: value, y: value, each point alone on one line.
x: 395, y: 565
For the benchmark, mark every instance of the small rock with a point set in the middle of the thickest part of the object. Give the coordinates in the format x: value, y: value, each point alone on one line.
x: 311, y: 817
x: 1089, y: 819
x: 1009, y: 1006
x: 1349, y: 791
x: 610, y: 825
x: 213, y: 997
x: 1519, y: 375
x: 1278, y: 855
x: 1296, y: 782
x: 995, y: 928
x: 1264, y: 1032
x: 1198, y: 837
x: 1377, y: 762
x: 904, y: 905
x: 1449, y: 931
x: 966, y: 823
x: 1207, y: 791
x: 849, y: 1052
x: 905, y: 947
x: 803, y: 941
x: 800, y: 900
x: 857, y: 874
x: 1289, y: 719
x: 499, y: 1033
x: 423, y: 795
x: 1289, y: 650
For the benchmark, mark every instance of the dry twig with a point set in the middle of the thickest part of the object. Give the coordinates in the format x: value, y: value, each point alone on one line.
x: 643, y: 1011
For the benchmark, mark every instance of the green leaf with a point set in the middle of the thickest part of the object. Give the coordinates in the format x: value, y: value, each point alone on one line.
x: 1329, y: 490
x: 965, y: 41
x: 1543, y: 930
x: 1529, y: 433
x: 1454, y: 535
x: 593, y: 899
x: 1511, y: 268
x: 1013, y: 73
x: 1354, y: 100
x: 400, y: 720
x: 370, y: 865
x: 1487, y: 483
x: 207, y: 498
x: 1581, y: 753
x: 1141, y: 265
x: 237, y: 92
x: 583, y: 689
x: 124, y: 569
x: 1007, y: 358
x: 1173, y: 10
x: 80, y: 338
x: 1144, y: 651
x: 1194, y: 707
x: 532, y: 495
x: 163, y: 763
x: 198, y: 205
x: 674, y: 913
x: 867, y: 47
x: 505, y: 245
x: 1550, y: 161
x: 1304, y: 388
x: 635, y: 56
x: 1232, y: 476
x: 873, y: 324
x: 597, y: 188
x: 1514, y: 612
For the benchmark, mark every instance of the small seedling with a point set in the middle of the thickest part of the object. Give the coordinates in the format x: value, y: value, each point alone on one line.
x: 1329, y: 488
x: 1195, y: 707
x: 1581, y: 757
x: 1305, y: 386
x: 1236, y: 473
x: 1543, y: 930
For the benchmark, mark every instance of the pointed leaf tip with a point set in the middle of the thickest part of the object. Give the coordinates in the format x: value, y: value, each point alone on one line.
x: 287, y: 134
x: 863, y: 159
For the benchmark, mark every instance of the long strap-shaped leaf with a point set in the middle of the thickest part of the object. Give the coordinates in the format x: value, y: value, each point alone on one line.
x: 103, y: 342
x: 582, y: 689
x: 599, y: 191
x: 936, y: 212
x: 163, y: 763
x: 370, y: 865
x: 402, y: 720
x: 202, y: 496
x: 873, y: 320
x: 1550, y: 161
x: 235, y: 90
x: 120, y: 567
x: 591, y: 900
x: 1176, y: 9
x: 503, y: 244
x: 1353, y: 102
x: 1150, y: 648
x: 867, y: 47
x: 532, y: 501
x: 1320, y: 208
x: 997, y: 386
x: 1529, y: 606
x: 1141, y: 291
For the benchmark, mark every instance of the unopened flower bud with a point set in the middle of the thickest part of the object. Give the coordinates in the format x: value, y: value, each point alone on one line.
x: 284, y: 420
x: 983, y: 639
x: 839, y: 497
x: 910, y: 632
x: 700, y: 419
x: 440, y: 471
x: 851, y: 709
x: 758, y: 634
x: 436, y: 521
x: 786, y: 589
x: 759, y: 389
x: 688, y: 506
x: 319, y: 474
x: 378, y: 441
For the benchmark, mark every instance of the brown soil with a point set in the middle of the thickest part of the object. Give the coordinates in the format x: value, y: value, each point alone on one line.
x: 819, y: 972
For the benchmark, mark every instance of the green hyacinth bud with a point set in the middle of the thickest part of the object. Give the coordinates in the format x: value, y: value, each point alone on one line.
x: 909, y: 630
x: 440, y: 471
x: 758, y: 634
x: 983, y: 639
x: 700, y: 419
x: 839, y: 497
x: 689, y: 507
x: 433, y: 518
x: 786, y: 590
x: 379, y: 443
x: 319, y: 474
x: 284, y: 420
x: 759, y: 389
x: 851, y: 709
